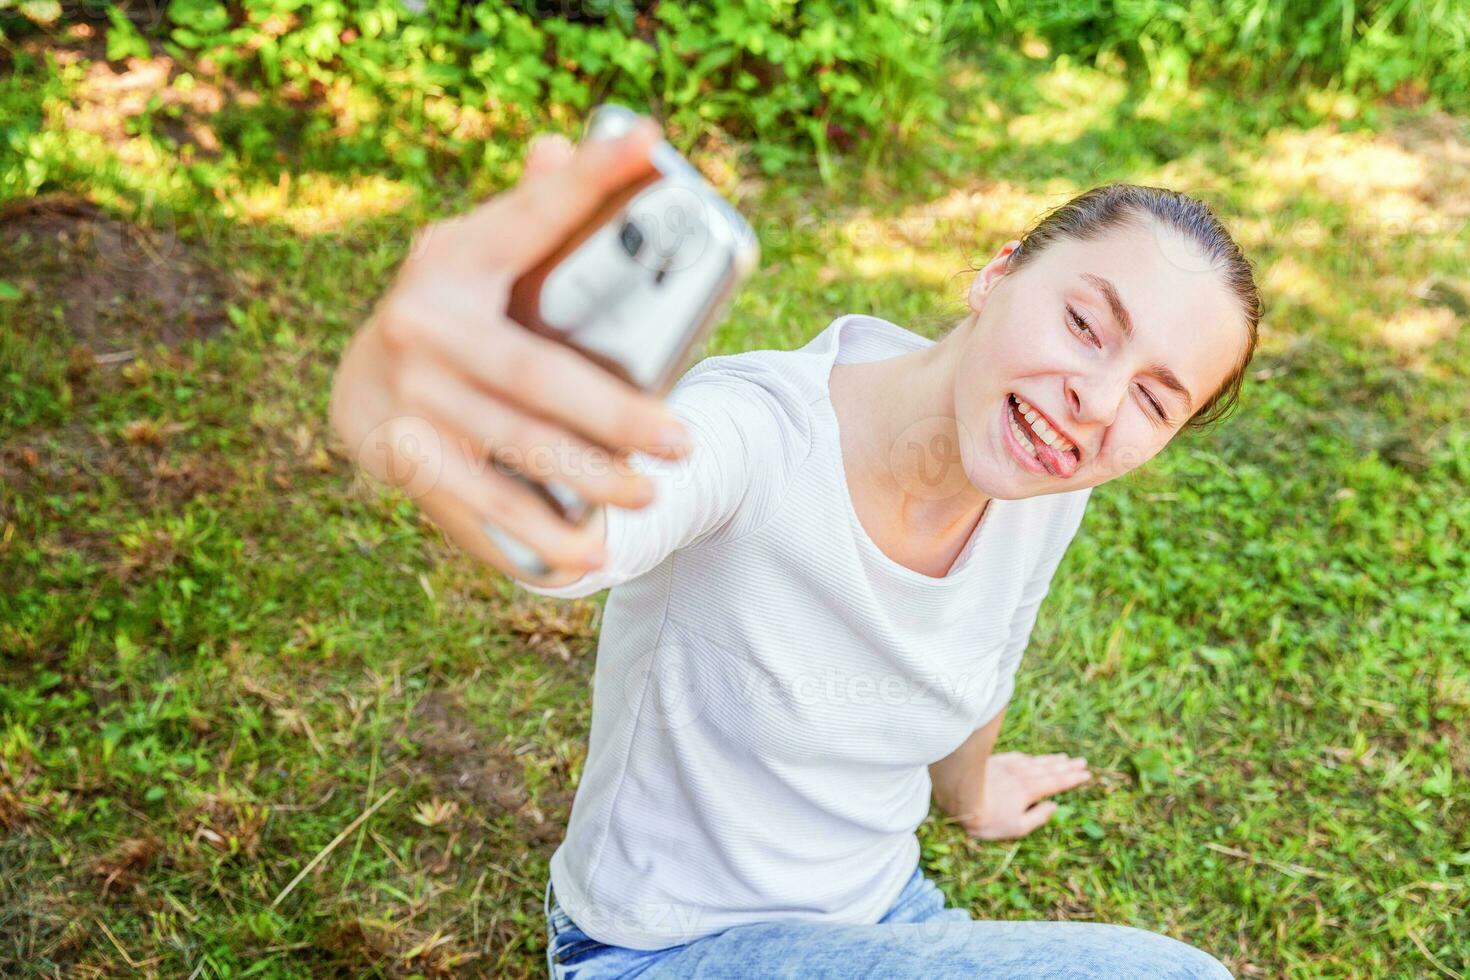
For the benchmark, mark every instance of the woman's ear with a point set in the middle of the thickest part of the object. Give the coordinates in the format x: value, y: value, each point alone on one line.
x: 987, y: 277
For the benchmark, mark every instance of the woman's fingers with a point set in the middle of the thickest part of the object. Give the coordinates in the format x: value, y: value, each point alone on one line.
x: 548, y: 152
x: 439, y: 471
x: 1047, y: 775
x: 540, y: 450
x: 467, y: 529
x: 1045, y: 763
x: 447, y: 317
x: 492, y: 496
x: 1057, y: 765
x: 1046, y: 781
x: 1030, y: 819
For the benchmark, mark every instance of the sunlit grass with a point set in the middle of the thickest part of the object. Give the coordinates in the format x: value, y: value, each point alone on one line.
x: 317, y: 203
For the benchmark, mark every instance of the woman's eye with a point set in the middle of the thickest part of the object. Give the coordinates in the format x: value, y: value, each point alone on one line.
x: 1158, y: 409
x: 1083, y: 327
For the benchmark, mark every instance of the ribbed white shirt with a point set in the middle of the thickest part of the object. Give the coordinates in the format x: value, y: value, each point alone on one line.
x: 770, y: 687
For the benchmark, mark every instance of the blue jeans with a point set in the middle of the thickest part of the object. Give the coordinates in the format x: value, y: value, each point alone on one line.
x: 918, y: 937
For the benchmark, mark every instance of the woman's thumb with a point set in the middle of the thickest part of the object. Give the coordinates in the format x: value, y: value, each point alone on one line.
x: 548, y: 152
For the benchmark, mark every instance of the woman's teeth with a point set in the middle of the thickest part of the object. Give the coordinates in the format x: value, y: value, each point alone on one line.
x: 1043, y: 431
x: 1023, y: 436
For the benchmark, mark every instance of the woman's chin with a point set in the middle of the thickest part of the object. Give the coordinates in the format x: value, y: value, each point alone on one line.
x: 993, y: 472
x: 996, y: 479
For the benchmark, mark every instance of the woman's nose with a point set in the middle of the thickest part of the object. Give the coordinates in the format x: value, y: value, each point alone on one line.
x: 1094, y: 400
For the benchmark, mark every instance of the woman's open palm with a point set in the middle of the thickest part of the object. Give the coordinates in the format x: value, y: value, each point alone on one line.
x: 1017, y: 785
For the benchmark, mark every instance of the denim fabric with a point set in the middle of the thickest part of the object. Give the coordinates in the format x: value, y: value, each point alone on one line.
x: 918, y: 937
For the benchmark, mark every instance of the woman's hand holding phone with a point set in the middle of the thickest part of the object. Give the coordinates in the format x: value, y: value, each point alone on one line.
x: 439, y: 379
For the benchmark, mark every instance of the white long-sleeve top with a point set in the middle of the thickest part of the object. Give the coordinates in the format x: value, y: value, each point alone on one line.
x: 770, y: 687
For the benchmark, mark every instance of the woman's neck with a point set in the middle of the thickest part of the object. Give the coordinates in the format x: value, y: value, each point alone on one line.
x: 900, y: 448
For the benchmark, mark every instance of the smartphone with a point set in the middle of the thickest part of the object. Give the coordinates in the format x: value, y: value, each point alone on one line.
x: 636, y: 289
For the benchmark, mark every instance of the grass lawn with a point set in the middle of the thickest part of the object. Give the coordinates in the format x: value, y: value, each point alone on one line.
x: 219, y: 651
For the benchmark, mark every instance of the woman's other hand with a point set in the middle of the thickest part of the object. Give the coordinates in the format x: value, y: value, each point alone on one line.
x: 439, y: 379
x: 1014, y: 801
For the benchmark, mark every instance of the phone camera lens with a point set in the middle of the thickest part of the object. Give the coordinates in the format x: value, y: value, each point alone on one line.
x: 631, y: 239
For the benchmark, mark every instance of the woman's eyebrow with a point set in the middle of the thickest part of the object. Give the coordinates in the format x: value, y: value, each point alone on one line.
x: 1121, y: 316
x: 1115, y: 303
x: 1170, y: 380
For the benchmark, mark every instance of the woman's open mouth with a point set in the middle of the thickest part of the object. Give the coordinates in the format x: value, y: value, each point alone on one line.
x: 1039, y: 447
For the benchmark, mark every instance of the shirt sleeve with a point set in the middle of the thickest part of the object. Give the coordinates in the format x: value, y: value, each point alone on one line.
x: 748, y: 440
x: 1024, y: 618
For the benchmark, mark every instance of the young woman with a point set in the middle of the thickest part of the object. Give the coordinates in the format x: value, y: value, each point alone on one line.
x: 815, y: 623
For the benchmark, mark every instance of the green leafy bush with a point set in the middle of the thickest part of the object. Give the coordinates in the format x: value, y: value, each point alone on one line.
x: 794, y: 78
x: 371, y: 82
x: 1373, y: 46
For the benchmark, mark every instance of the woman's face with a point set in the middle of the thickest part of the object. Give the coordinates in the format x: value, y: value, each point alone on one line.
x: 1107, y: 347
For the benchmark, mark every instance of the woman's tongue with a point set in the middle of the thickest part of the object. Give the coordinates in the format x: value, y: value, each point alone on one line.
x: 1059, y: 463
x: 1062, y: 464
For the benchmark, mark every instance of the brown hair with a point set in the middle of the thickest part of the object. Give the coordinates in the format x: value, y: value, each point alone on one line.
x: 1092, y: 213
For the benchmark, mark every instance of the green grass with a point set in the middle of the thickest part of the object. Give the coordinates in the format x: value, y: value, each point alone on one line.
x: 218, y: 648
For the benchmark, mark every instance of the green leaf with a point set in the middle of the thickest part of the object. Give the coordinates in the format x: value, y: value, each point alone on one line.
x: 123, y: 39
x: 8, y: 291
x: 1151, y: 766
x: 1439, y: 784
x: 1217, y: 657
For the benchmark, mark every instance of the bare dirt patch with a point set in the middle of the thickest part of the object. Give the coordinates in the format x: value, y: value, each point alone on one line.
x: 120, y: 286
x: 121, y: 290
x: 462, y: 766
